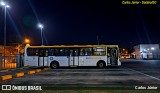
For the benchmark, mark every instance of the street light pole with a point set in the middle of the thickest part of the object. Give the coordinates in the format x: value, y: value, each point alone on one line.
x: 5, y: 8
x: 41, y: 27
x: 42, y: 35
x: 5, y: 13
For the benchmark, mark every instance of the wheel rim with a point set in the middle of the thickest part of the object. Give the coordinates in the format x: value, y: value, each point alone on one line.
x: 54, y: 65
x: 100, y: 65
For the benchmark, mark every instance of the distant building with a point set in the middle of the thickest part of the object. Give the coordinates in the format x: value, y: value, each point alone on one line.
x: 11, y: 50
x: 124, y: 53
x: 146, y: 51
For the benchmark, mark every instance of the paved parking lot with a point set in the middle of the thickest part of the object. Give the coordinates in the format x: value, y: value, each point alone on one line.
x: 84, y: 77
x: 149, y: 67
x: 129, y: 74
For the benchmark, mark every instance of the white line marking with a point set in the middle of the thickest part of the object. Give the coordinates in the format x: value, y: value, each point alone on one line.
x: 144, y: 74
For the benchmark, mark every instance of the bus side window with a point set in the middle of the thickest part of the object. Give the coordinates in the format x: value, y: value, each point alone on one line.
x: 66, y: 52
x: 56, y: 52
x: 50, y: 52
x: 76, y: 53
x: 37, y: 52
x: 61, y: 52
x: 40, y: 52
x: 99, y: 51
x: 86, y: 51
x: 31, y: 52
x: 46, y: 53
x: 43, y: 52
x: 82, y: 51
x: 90, y: 51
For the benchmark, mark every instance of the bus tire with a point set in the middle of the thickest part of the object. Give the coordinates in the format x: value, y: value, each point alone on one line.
x: 54, y: 64
x: 101, y: 64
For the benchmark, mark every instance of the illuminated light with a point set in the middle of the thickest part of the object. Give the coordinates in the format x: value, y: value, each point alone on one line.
x: 28, y: 45
x: 27, y: 41
x: 122, y: 57
x: 144, y: 49
x: 152, y: 48
x: 40, y: 25
x: 7, y: 6
x: 2, y: 3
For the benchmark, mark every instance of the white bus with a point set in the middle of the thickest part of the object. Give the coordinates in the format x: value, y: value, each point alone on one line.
x: 72, y: 55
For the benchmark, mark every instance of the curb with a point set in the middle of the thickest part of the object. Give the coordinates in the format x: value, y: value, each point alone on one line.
x: 31, y: 72
x: 6, y: 77
x: 46, y: 68
x: 21, y: 74
x: 38, y: 70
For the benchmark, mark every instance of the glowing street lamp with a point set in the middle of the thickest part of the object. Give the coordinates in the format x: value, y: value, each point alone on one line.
x: 152, y: 48
x: 26, y: 41
x: 5, y: 7
x: 41, y: 27
x: 3, y: 4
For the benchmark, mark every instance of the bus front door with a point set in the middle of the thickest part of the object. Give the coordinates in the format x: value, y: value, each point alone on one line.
x: 43, y: 57
x: 73, y: 59
x: 112, y: 56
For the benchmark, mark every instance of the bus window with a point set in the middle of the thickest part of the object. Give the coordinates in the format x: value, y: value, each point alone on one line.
x: 61, y: 52
x: 56, y: 52
x: 99, y: 51
x: 76, y: 52
x: 66, y: 52
x: 89, y: 51
x: 43, y: 52
x: 46, y: 53
x: 32, y: 52
x: 82, y: 51
x: 86, y: 51
x: 51, y: 52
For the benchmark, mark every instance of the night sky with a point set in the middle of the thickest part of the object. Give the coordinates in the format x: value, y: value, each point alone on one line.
x: 80, y: 21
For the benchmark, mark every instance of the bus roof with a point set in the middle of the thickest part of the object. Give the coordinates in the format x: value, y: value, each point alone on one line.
x: 72, y: 46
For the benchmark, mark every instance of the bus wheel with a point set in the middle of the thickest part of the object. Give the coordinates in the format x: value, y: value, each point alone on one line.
x: 101, y: 64
x: 54, y: 64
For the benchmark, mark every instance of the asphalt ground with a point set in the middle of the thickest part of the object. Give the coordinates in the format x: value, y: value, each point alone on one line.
x: 130, y: 74
x: 149, y: 67
x: 14, y: 71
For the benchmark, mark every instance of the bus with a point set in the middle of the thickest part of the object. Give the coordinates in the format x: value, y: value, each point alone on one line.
x: 72, y: 55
